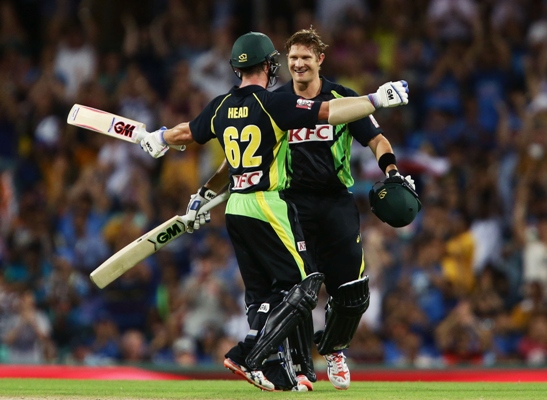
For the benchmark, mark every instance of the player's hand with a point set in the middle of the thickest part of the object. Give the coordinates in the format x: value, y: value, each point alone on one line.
x: 391, y: 94
x: 395, y: 176
x: 198, y: 200
x: 154, y: 144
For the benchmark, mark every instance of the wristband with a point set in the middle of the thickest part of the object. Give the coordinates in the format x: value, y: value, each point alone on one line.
x: 386, y: 160
x: 207, y: 193
x: 162, y: 130
x: 373, y: 98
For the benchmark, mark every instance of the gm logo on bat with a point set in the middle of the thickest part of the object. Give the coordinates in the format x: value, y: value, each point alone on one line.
x: 121, y: 128
x: 170, y: 233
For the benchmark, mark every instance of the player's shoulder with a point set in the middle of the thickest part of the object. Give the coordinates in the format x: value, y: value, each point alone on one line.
x: 285, y: 88
x: 331, y: 86
x: 215, y: 102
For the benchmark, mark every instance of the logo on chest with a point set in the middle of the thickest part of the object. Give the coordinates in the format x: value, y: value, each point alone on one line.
x: 318, y: 134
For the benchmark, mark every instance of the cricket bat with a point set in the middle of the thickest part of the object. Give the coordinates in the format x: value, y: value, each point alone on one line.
x: 109, y: 124
x: 146, y: 245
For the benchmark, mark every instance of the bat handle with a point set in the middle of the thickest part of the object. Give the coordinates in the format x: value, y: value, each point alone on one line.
x: 180, y: 147
x: 216, y: 201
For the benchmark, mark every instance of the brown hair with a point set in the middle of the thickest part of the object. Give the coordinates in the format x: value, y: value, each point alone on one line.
x: 309, y: 38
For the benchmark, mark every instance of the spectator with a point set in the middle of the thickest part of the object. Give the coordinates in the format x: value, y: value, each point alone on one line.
x: 162, y: 349
x: 533, y: 303
x: 28, y: 334
x: 75, y: 58
x: 65, y: 291
x: 204, y: 300
x: 184, y: 350
x: 533, y: 346
x: 457, y: 263
x: 426, y: 279
x: 451, y: 19
x: 214, y: 78
x: 105, y: 343
x: 133, y: 347
x: 460, y: 338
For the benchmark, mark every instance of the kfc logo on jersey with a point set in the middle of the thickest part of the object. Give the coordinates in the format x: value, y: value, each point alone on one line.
x: 246, y: 180
x: 303, y: 103
x: 317, y: 134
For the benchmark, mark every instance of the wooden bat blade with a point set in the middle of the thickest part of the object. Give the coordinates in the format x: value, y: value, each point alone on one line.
x: 106, y: 123
x: 138, y: 250
x: 146, y: 245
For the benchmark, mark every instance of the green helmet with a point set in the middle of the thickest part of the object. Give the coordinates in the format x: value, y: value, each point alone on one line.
x: 394, y: 202
x: 254, y: 48
x: 251, y: 49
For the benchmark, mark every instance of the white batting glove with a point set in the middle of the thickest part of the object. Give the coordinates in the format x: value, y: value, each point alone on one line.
x: 395, y: 175
x: 391, y: 94
x: 154, y: 144
x: 198, y: 200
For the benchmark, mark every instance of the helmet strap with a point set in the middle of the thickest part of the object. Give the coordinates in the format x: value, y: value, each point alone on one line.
x: 273, y: 68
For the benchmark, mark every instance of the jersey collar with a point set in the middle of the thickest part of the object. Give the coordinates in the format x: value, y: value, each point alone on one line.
x: 245, y: 91
x: 326, y: 86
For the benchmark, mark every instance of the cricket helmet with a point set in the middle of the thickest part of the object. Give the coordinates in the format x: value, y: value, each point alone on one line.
x: 254, y: 48
x: 394, y: 202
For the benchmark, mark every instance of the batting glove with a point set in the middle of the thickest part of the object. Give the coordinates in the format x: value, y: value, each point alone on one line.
x: 395, y: 176
x: 198, y: 200
x: 391, y: 94
x: 154, y: 143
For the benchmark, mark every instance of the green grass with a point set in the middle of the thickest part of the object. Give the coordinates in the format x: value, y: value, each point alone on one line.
x: 235, y: 389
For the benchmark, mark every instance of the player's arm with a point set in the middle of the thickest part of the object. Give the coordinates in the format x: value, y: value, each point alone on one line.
x: 180, y: 134
x: 387, y: 161
x: 157, y: 143
x: 220, y: 178
x: 349, y: 109
x: 198, y: 130
x: 381, y: 146
x: 215, y: 185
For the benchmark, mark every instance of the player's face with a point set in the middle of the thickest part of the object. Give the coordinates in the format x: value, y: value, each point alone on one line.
x: 304, y: 63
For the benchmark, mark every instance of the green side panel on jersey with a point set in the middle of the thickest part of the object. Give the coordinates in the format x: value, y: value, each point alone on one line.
x: 278, y: 169
x: 270, y: 208
x: 247, y: 205
x: 341, y: 151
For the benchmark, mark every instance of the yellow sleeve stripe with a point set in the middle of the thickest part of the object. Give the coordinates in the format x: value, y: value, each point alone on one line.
x: 216, y: 111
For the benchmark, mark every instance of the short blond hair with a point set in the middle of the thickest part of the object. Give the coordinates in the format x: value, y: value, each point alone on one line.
x: 309, y: 38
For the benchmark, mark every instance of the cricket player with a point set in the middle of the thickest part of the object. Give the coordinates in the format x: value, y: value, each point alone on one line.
x: 251, y: 124
x: 328, y: 214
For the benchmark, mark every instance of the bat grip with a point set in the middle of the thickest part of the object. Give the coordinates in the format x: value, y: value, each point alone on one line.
x: 215, y: 202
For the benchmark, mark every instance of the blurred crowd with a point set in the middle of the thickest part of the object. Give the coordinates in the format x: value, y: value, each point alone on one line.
x: 465, y: 283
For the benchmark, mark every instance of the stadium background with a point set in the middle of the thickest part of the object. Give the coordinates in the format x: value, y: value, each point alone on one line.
x: 463, y: 285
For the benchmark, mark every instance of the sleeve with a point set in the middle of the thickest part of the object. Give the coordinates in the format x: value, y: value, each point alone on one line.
x: 201, y: 126
x: 290, y: 111
x: 365, y: 129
